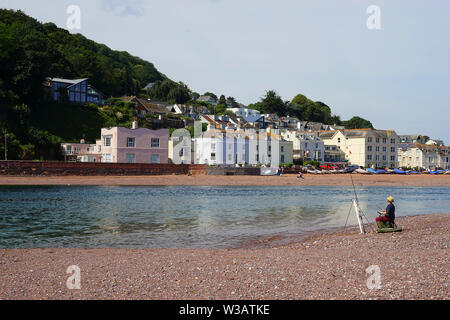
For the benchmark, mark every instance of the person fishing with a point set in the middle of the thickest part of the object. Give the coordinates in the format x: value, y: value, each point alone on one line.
x: 387, y: 215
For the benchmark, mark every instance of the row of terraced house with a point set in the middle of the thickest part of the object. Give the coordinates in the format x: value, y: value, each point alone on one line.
x: 288, y: 139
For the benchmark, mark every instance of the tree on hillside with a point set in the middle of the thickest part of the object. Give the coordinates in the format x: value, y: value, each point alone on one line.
x: 272, y: 103
x: 335, y: 119
x: 65, y: 55
x: 232, y: 102
x: 308, y: 110
x: 221, y: 105
x: 169, y: 91
x: 357, y: 123
x: 222, y: 100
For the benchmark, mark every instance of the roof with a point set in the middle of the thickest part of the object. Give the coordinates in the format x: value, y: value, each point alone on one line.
x: 357, y: 133
x: 67, y: 81
x: 252, y: 118
x: 328, y: 134
x: 212, y: 121
x: 150, y: 106
x: 431, y: 148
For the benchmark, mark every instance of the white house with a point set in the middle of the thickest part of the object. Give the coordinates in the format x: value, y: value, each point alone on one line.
x: 306, y: 145
x: 244, y: 112
x: 230, y: 147
x: 423, y: 156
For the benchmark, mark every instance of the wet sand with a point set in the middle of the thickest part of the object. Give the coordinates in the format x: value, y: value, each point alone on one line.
x: 414, y: 264
x: 422, y: 180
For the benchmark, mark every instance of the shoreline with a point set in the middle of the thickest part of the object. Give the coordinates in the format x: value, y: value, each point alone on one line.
x: 329, y: 265
x: 210, y: 180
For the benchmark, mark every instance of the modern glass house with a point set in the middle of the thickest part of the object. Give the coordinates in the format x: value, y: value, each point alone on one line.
x: 77, y: 91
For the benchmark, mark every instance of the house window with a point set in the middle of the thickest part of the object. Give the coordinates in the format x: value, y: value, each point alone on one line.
x: 384, y: 149
x: 369, y: 148
x: 392, y: 149
x: 384, y: 140
x: 229, y: 157
x: 154, y: 158
x: 377, y: 149
x: 107, y: 141
x: 282, y: 158
x: 130, y: 158
x: 369, y: 157
x: 69, y: 149
x: 384, y: 158
x: 155, y: 142
x: 392, y: 140
x: 282, y: 148
x: 213, y: 146
x: 106, y: 158
x: 131, y: 142
x: 392, y: 158
x: 213, y: 156
x: 369, y: 139
x: 377, y: 140
x: 339, y: 140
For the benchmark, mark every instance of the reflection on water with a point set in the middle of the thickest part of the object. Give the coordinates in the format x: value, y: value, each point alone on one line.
x: 188, y: 216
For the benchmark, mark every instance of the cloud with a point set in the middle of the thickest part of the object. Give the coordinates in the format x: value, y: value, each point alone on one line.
x: 124, y: 7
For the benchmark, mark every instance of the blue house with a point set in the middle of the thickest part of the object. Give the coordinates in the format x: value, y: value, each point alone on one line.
x: 77, y: 91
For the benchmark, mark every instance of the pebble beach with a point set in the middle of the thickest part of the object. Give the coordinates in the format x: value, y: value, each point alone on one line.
x: 419, y: 180
x: 413, y: 264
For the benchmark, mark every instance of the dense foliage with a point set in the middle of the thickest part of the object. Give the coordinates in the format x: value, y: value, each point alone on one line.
x: 170, y: 91
x: 306, y: 110
x: 357, y: 123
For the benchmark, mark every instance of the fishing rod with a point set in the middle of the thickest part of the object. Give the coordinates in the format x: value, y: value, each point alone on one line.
x: 354, y: 189
x: 359, y: 213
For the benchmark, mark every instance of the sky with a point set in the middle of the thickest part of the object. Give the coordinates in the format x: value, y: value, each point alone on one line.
x: 397, y: 76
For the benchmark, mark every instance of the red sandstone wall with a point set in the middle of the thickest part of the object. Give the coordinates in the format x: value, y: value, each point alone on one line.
x: 95, y: 168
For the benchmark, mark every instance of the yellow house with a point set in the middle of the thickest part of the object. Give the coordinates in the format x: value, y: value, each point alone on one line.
x: 365, y: 147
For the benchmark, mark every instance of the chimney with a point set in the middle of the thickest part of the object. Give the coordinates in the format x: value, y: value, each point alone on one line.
x: 134, y: 125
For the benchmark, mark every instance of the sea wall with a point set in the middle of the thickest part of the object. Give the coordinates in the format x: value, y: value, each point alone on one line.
x: 42, y: 168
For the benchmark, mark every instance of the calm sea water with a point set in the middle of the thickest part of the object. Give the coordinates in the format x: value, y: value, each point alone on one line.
x: 189, y: 217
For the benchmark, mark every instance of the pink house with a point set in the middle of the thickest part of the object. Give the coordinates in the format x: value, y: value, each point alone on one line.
x: 136, y: 145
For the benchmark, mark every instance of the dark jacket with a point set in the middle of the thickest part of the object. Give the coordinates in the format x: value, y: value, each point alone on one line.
x: 390, y: 212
